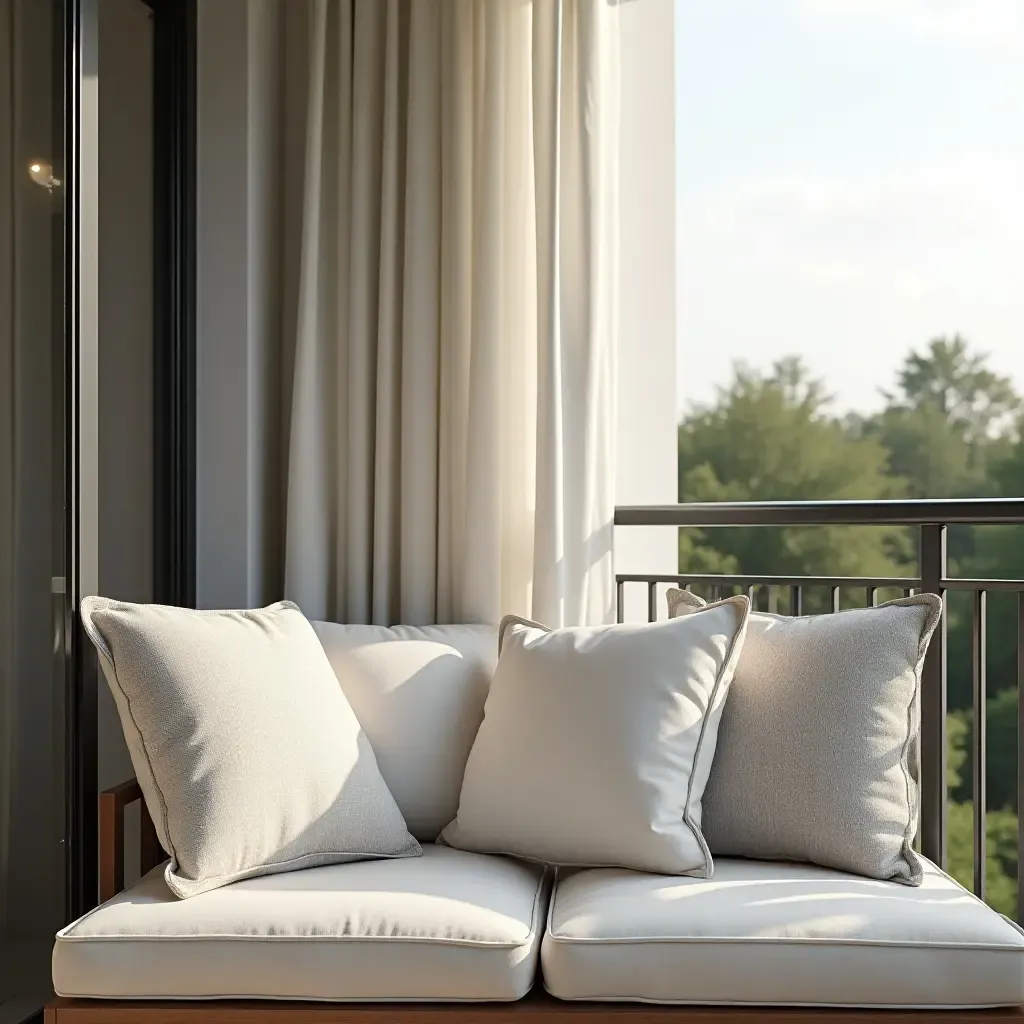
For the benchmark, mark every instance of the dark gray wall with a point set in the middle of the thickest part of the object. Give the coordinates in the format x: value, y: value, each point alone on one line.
x: 125, y: 334
x: 246, y: 150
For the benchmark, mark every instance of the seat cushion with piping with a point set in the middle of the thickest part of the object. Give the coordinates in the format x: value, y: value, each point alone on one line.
x: 763, y: 933
x: 445, y: 926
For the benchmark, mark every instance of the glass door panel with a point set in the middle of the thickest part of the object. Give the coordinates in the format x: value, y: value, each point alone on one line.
x: 32, y: 499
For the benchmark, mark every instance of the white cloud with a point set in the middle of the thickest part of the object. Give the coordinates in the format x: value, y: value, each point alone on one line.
x: 976, y: 201
x: 851, y: 241
x: 852, y: 270
x: 987, y: 23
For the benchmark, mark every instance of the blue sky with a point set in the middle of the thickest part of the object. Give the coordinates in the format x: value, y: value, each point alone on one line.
x: 851, y: 184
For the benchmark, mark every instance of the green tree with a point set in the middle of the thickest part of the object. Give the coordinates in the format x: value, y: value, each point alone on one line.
x: 1001, y: 854
x: 1001, y: 773
x: 973, y: 399
x: 950, y: 428
x: 933, y: 459
x: 1000, y: 822
x: 946, y: 421
x: 997, y: 552
x: 957, y: 730
x: 771, y: 436
x: 1008, y: 471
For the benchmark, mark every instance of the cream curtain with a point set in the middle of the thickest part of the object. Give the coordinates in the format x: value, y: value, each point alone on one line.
x: 449, y: 431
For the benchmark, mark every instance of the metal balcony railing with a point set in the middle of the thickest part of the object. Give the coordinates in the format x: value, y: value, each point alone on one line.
x: 931, y: 518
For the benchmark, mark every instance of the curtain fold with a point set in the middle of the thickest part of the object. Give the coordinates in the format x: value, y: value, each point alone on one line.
x: 450, y: 449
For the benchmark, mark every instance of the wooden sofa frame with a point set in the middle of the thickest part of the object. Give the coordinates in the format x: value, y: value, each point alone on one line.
x: 536, y: 1008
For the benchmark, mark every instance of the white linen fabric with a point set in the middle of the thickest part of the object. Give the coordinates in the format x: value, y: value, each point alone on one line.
x: 817, y: 750
x: 248, y: 754
x: 775, y: 934
x: 450, y: 424
x: 446, y: 926
x: 597, y: 742
x: 419, y: 694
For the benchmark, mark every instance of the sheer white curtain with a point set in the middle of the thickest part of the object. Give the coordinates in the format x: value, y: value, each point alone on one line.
x: 450, y: 428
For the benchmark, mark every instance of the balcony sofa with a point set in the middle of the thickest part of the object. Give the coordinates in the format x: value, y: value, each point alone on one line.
x: 485, y: 937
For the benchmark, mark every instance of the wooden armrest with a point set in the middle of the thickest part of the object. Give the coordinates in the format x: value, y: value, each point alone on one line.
x: 113, y: 801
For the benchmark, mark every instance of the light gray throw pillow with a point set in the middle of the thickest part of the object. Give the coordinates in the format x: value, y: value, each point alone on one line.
x: 597, y: 741
x: 248, y: 754
x: 817, y: 749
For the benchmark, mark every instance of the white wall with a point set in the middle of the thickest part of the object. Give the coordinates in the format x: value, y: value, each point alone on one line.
x: 647, y: 468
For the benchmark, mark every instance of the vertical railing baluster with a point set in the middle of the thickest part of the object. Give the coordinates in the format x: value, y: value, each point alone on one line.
x: 652, y: 602
x: 620, y: 601
x: 1020, y: 755
x: 833, y: 594
x: 716, y: 593
x: 773, y: 600
x: 872, y: 596
x: 796, y: 600
x: 978, y: 747
x: 933, y: 704
x: 752, y: 596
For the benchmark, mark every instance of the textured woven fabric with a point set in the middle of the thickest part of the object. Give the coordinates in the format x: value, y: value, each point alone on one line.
x: 445, y: 926
x: 249, y: 756
x: 597, y: 741
x: 419, y: 693
x: 767, y: 934
x: 817, y: 750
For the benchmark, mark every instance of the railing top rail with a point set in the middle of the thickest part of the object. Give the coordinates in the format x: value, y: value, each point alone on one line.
x: 940, y: 512
x: 755, y: 580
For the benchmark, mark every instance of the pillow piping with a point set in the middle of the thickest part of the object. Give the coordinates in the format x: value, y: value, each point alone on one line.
x: 728, y: 665
x: 517, y: 620
x: 914, y: 715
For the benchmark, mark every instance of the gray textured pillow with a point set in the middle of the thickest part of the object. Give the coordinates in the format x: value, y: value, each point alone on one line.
x: 249, y: 756
x: 597, y: 741
x: 817, y: 749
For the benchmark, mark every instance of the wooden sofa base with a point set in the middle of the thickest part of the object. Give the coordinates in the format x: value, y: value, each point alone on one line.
x: 540, y: 1009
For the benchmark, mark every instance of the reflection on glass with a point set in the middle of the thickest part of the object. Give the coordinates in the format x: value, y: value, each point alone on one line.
x: 31, y: 498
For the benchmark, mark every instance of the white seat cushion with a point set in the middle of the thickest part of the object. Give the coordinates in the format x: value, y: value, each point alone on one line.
x: 447, y: 926
x: 418, y: 692
x: 766, y: 933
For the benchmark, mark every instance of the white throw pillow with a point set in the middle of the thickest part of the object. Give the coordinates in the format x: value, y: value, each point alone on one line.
x: 597, y: 741
x: 419, y: 693
x: 248, y: 754
x: 817, y: 749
